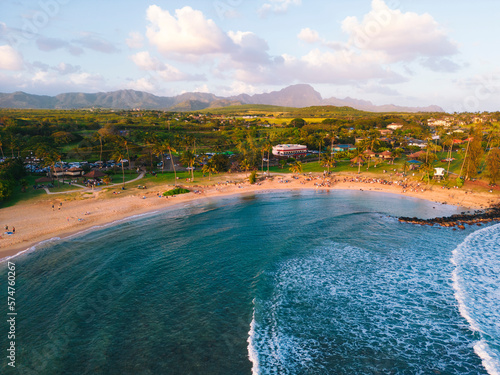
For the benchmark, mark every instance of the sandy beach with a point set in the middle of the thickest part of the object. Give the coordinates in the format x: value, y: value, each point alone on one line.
x: 60, y: 216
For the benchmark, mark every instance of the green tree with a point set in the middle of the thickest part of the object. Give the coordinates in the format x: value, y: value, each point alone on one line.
x: 474, y: 156
x: 406, y: 167
x: 297, y: 123
x: 118, y: 155
x: 188, y: 158
x: 329, y: 162
x: 246, y: 166
x: 209, y: 168
x: 493, y: 165
x: 169, y: 145
x: 296, y: 167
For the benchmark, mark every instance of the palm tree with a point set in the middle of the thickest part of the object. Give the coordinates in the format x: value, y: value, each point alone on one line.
x: 119, y: 155
x: 150, y: 139
x: 296, y: 167
x: 358, y: 159
x: 406, y: 167
x: 98, y: 136
x: 269, y: 147
x: 159, y: 150
x: 428, y: 169
x: 320, y: 141
x: 245, y: 165
x: 210, y: 168
x: 1, y: 149
x: 189, y: 158
x: 329, y: 162
x: 169, y: 145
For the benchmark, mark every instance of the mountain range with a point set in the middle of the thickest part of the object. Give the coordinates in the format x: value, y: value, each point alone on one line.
x: 298, y: 96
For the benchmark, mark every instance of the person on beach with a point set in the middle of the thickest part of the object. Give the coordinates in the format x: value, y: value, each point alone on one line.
x: 6, y: 227
x: 14, y: 230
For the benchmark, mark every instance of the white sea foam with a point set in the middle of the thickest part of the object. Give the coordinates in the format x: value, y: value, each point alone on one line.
x: 491, y: 360
x: 253, y: 354
x: 30, y: 249
x: 476, y: 281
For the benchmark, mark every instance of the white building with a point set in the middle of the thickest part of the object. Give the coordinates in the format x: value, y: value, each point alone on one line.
x: 290, y: 150
x: 394, y: 126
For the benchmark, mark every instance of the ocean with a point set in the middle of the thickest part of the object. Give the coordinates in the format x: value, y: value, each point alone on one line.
x: 300, y: 282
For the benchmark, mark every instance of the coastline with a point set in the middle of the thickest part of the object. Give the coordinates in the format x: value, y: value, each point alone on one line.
x: 38, y: 222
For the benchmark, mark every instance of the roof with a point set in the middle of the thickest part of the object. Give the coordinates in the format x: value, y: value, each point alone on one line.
x: 95, y: 173
x: 416, y: 154
x: 44, y: 179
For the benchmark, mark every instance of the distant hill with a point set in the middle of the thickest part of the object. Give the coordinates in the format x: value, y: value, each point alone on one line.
x: 297, y: 96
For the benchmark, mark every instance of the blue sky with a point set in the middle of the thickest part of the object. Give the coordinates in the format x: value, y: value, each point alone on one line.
x: 404, y: 52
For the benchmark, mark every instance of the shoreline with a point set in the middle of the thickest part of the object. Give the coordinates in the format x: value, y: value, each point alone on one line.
x: 38, y: 222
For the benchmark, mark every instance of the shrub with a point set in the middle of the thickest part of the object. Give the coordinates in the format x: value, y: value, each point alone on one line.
x: 176, y: 191
x: 253, y: 177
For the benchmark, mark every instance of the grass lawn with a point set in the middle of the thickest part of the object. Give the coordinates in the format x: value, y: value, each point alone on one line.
x: 19, y: 196
x: 118, y: 177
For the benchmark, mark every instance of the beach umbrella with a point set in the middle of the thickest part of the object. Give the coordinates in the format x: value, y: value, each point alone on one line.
x: 95, y: 173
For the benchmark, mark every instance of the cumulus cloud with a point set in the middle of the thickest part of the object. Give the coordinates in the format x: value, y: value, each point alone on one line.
x: 10, y: 59
x: 142, y: 84
x: 186, y: 34
x: 248, y: 48
x: 309, y: 36
x: 167, y: 72
x: 401, y: 36
x: 277, y: 6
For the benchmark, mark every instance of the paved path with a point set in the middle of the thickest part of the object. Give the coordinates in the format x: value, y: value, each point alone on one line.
x: 87, y: 189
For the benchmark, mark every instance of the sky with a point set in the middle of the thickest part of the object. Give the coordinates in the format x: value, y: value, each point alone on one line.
x: 403, y: 52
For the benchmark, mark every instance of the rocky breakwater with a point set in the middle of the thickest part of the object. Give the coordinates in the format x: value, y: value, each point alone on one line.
x: 459, y: 221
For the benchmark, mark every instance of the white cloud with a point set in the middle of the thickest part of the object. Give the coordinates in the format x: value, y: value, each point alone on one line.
x: 136, y: 40
x: 187, y: 34
x: 142, y: 84
x: 248, y: 48
x: 277, y: 6
x: 401, y: 36
x: 144, y: 61
x: 309, y: 36
x: 165, y: 71
x: 10, y: 59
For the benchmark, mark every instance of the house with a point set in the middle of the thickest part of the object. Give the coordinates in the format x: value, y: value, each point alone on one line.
x: 385, y: 132
x: 290, y: 150
x: 444, y: 122
x: 57, y: 172
x: 416, y: 155
x: 369, y: 153
x: 385, y: 155
x: 394, y: 126
x: 74, y: 172
x: 417, y: 143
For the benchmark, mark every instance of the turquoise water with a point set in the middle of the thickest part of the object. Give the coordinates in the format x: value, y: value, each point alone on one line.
x: 282, y: 283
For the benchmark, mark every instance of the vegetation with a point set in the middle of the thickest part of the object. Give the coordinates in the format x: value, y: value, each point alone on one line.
x: 176, y: 191
x: 240, y: 139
